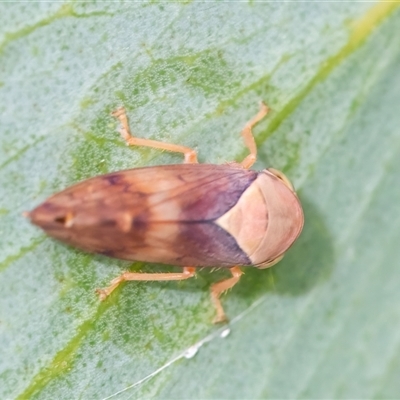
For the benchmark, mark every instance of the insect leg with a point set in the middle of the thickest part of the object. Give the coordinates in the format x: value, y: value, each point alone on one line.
x: 188, y: 272
x: 249, y: 138
x: 189, y: 154
x: 218, y: 288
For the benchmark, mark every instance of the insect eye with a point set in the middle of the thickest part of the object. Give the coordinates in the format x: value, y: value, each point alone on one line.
x: 282, y: 177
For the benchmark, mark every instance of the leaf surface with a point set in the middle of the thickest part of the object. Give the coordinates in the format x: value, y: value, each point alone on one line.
x: 325, y: 322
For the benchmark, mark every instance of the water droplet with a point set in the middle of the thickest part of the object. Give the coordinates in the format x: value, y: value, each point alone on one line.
x: 191, y: 351
x: 225, y: 333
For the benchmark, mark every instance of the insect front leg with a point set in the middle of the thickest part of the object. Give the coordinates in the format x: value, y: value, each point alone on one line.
x: 188, y: 272
x: 249, y: 137
x: 218, y: 288
x: 189, y: 154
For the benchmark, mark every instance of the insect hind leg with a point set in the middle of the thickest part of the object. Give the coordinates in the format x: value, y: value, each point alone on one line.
x: 189, y: 154
x: 188, y: 272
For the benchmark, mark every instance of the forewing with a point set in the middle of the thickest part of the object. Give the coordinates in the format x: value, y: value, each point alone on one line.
x: 159, y: 214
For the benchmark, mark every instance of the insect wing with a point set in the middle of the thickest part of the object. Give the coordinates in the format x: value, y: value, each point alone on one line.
x: 157, y: 214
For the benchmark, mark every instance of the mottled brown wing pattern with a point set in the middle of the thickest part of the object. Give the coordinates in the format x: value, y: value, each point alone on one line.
x: 186, y: 243
x: 152, y: 214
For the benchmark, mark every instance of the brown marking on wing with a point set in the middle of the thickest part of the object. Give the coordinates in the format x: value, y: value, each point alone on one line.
x: 153, y: 214
x: 196, y: 244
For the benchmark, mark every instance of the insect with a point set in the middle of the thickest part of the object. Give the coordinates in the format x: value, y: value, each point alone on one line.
x: 191, y: 215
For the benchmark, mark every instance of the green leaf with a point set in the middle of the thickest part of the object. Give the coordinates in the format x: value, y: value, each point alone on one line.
x: 325, y: 322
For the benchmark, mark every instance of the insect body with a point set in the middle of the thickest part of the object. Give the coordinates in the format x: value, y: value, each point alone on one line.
x: 192, y: 215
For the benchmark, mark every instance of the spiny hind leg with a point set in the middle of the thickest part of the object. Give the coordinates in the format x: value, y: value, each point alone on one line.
x: 248, y: 136
x: 188, y: 272
x: 189, y: 154
x: 218, y: 288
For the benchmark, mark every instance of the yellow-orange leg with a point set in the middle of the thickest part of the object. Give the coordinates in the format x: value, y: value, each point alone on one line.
x: 218, y: 288
x: 189, y: 154
x: 249, y: 137
x: 188, y: 272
